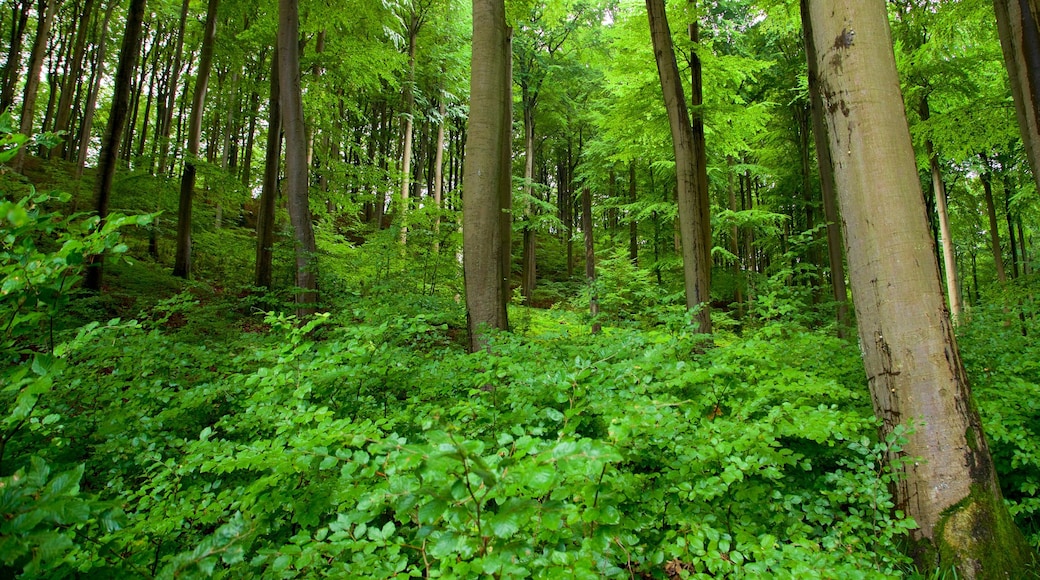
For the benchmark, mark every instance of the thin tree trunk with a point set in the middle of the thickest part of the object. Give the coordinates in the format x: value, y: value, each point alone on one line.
x: 835, y: 250
x: 1012, y: 240
x: 116, y: 119
x: 486, y: 175
x: 269, y: 191
x: 438, y: 172
x: 633, y: 225
x: 409, y: 129
x: 182, y: 261
x: 909, y: 351
x: 529, y: 269
x: 32, y: 83
x: 98, y: 71
x: 12, y: 67
x: 994, y: 233
x: 692, y: 226
x: 590, y: 257
x: 700, y: 150
x: 296, y: 169
x: 939, y: 191
x: 166, y: 125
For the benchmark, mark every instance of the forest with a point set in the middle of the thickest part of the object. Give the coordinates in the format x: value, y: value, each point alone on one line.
x: 520, y: 289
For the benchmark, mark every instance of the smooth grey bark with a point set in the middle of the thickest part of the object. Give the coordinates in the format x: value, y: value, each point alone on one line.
x: 835, y: 249
x: 297, y: 181
x: 692, y: 226
x: 486, y: 174
x: 909, y: 350
x: 1019, y: 32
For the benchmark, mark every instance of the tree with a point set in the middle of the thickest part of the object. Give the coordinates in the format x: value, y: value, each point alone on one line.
x: 909, y: 350
x: 835, y: 250
x: 486, y: 181
x: 32, y: 83
x: 61, y: 124
x: 116, y: 120
x: 263, y: 272
x: 296, y: 174
x: 182, y: 261
x: 1019, y: 30
x: 696, y: 253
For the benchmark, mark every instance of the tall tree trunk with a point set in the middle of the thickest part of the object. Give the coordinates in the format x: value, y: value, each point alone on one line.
x: 182, y: 261
x: 269, y: 191
x: 909, y: 350
x: 994, y: 233
x: 529, y: 269
x: 633, y: 225
x: 32, y: 83
x: 1020, y: 41
x: 590, y: 257
x: 296, y: 170
x: 87, y: 126
x: 438, y: 172
x: 116, y: 119
x: 835, y: 250
x: 1012, y: 240
x: 486, y: 175
x: 692, y: 226
x: 409, y: 129
x: 700, y: 150
x: 166, y: 124
x: 12, y: 67
x: 939, y: 191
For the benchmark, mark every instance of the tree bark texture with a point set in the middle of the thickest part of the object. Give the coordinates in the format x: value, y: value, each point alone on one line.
x: 994, y: 232
x: 296, y: 167
x: 1019, y: 31
x: 87, y: 126
x: 19, y: 22
x: 182, y: 261
x: 695, y: 252
x: 909, y: 351
x: 948, y: 250
x: 438, y: 171
x: 835, y: 250
x: 61, y: 124
x: 486, y: 174
x: 32, y: 83
x: 116, y: 120
x: 269, y: 190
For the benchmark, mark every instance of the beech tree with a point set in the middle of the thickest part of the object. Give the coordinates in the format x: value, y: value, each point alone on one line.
x: 297, y: 180
x: 910, y: 354
x: 1019, y: 29
x: 692, y: 200
x: 116, y: 120
x: 486, y: 181
x: 32, y: 83
x: 182, y: 262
